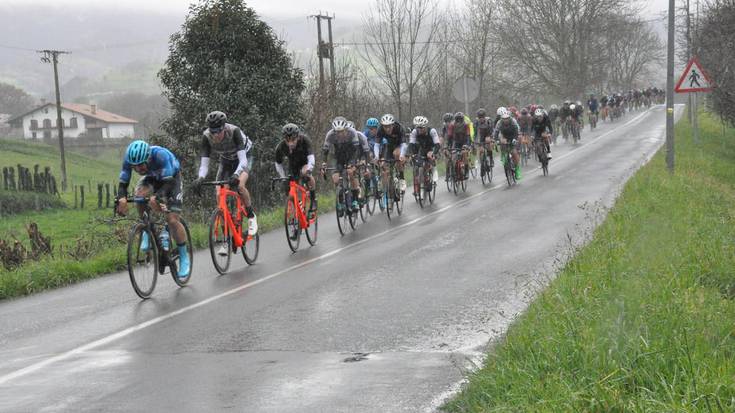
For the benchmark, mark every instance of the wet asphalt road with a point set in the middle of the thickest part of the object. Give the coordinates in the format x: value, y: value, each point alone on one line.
x: 386, y: 318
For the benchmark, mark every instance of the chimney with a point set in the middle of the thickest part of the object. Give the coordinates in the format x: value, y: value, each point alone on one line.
x: 94, y: 109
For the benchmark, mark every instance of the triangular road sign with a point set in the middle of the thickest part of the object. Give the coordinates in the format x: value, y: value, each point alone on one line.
x: 694, y: 79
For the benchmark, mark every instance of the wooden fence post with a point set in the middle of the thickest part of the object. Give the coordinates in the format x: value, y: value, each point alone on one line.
x: 81, y: 195
x: 75, y: 197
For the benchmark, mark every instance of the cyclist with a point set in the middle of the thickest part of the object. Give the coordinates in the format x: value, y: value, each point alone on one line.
x: 554, y: 117
x: 580, y: 114
x: 393, y: 147
x: 350, y: 146
x: 447, y: 119
x: 542, y: 128
x: 371, y: 133
x: 484, y: 131
x: 460, y: 138
x: 161, y: 181
x: 424, y: 141
x: 593, y: 106
x: 297, y: 148
x: 232, y: 145
x: 603, y: 106
x: 524, y: 122
x: 508, y: 127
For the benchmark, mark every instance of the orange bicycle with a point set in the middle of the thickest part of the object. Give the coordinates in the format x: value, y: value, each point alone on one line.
x: 296, y: 217
x: 226, y: 230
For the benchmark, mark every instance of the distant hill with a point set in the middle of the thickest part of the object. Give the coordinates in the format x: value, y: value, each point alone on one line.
x: 112, y: 52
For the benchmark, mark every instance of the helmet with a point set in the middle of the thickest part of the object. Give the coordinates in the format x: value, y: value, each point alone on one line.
x: 540, y: 107
x: 372, y: 123
x: 567, y: 102
x: 579, y: 103
x: 572, y: 107
x: 554, y: 107
x: 216, y: 120
x: 420, y: 121
x: 459, y: 117
x: 481, y: 113
x: 524, y: 111
x: 351, y: 124
x: 501, y: 110
x: 447, y: 117
x: 513, y: 109
x: 339, y: 123
x: 505, y: 113
x: 539, y: 112
x: 387, y: 119
x: 290, y: 129
x: 138, y: 152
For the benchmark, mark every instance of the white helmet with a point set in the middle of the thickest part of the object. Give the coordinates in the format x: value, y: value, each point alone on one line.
x: 554, y: 107
x: 539, y: 112
x: 387, y: 119
x: 501, y: 110
x: 339, y: 123
x: 572, y: 107
x: 351, y: 124
x: 420, y: 121
x: 504, y: 114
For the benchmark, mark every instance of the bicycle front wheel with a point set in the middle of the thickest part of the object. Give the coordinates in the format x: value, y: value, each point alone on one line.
x: 174, y: 259
x: 313, y: 225
x: 142, y: 260
x: 291, y: 225
x: 220, y: 243
x: 341, y: 211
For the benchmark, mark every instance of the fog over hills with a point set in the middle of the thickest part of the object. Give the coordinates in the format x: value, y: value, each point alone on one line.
x: 111, y: 51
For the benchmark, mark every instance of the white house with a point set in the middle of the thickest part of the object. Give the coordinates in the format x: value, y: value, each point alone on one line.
x: 77, y: 119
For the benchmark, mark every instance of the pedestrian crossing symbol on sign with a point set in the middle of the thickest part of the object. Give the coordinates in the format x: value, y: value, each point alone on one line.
x: 694, y: 79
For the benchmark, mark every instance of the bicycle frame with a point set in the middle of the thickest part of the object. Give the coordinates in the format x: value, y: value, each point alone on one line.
x: 298, y: 192
x: 230, y: 228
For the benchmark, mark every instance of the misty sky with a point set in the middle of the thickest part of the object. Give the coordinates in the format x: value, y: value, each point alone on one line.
x: 272, y: 8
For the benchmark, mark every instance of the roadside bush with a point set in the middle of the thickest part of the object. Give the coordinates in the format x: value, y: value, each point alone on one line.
x: 12, y: 202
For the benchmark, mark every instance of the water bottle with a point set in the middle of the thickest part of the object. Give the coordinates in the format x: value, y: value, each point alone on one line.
x: 165, y: 239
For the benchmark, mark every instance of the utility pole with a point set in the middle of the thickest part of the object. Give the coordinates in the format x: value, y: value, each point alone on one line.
x: 670, y: 91
x: 325, y: 50
x: 52, y: 56
x: 689, y: 57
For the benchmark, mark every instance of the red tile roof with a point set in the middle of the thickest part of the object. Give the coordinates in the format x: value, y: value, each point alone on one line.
x: 102, y: 115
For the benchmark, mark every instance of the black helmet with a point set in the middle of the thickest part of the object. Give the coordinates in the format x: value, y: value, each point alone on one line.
x: 447, y: 117
x: 524, y: 111
x: 459, y: 117
x: 481, y: 113
x: 216, y: 121
x: 290, y: 129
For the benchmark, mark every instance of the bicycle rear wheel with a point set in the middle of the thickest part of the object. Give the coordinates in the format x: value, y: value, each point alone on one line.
x: 173, y: 257
x: 142, y: 264
x: 418, y: 190
x: 369, y: 194
x: 220, y: 243
x: 291, y: 225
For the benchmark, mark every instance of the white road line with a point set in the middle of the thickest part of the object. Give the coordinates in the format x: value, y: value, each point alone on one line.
x: 130, y: 330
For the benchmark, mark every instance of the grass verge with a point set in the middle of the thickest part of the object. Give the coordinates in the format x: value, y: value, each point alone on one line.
x: 642, y: 318
x: 64, y: 227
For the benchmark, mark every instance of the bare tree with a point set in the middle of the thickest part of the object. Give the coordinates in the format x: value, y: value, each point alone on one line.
x: 632, y: 51
x: 399, y: 35
x: 558, y: 44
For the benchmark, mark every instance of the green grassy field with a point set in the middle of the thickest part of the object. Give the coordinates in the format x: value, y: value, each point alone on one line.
x: 642, y: 319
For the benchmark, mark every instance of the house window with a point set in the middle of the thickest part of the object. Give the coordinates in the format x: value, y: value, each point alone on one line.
x: 73, y: 123
x: 34, y: 124
x: 47, y: 123
x: 33, y: 135
x: 45, y: 110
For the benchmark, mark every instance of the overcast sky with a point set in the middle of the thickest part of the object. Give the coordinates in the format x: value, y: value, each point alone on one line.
x: 272, y: 8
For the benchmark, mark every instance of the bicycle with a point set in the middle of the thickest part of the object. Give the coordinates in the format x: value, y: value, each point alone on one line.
x: 575, y: 129
x: 226, y: 230
x: 508, y: 165
x: 296, y: 218
x: 145, y: 265
x: 343, y: 202
x: 543, y: 155
x: 424, y: 186
x: 525, y: 148
x: 486, y: 164
x: 371, y: 189
x: 458, y: 174
x: 391, y: 198
x: 593, y: 120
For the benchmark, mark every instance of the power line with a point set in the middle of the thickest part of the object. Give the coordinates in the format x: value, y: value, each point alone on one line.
x: 4, y: 46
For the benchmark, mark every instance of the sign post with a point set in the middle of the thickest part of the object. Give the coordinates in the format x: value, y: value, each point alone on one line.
x: 693, y: 80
